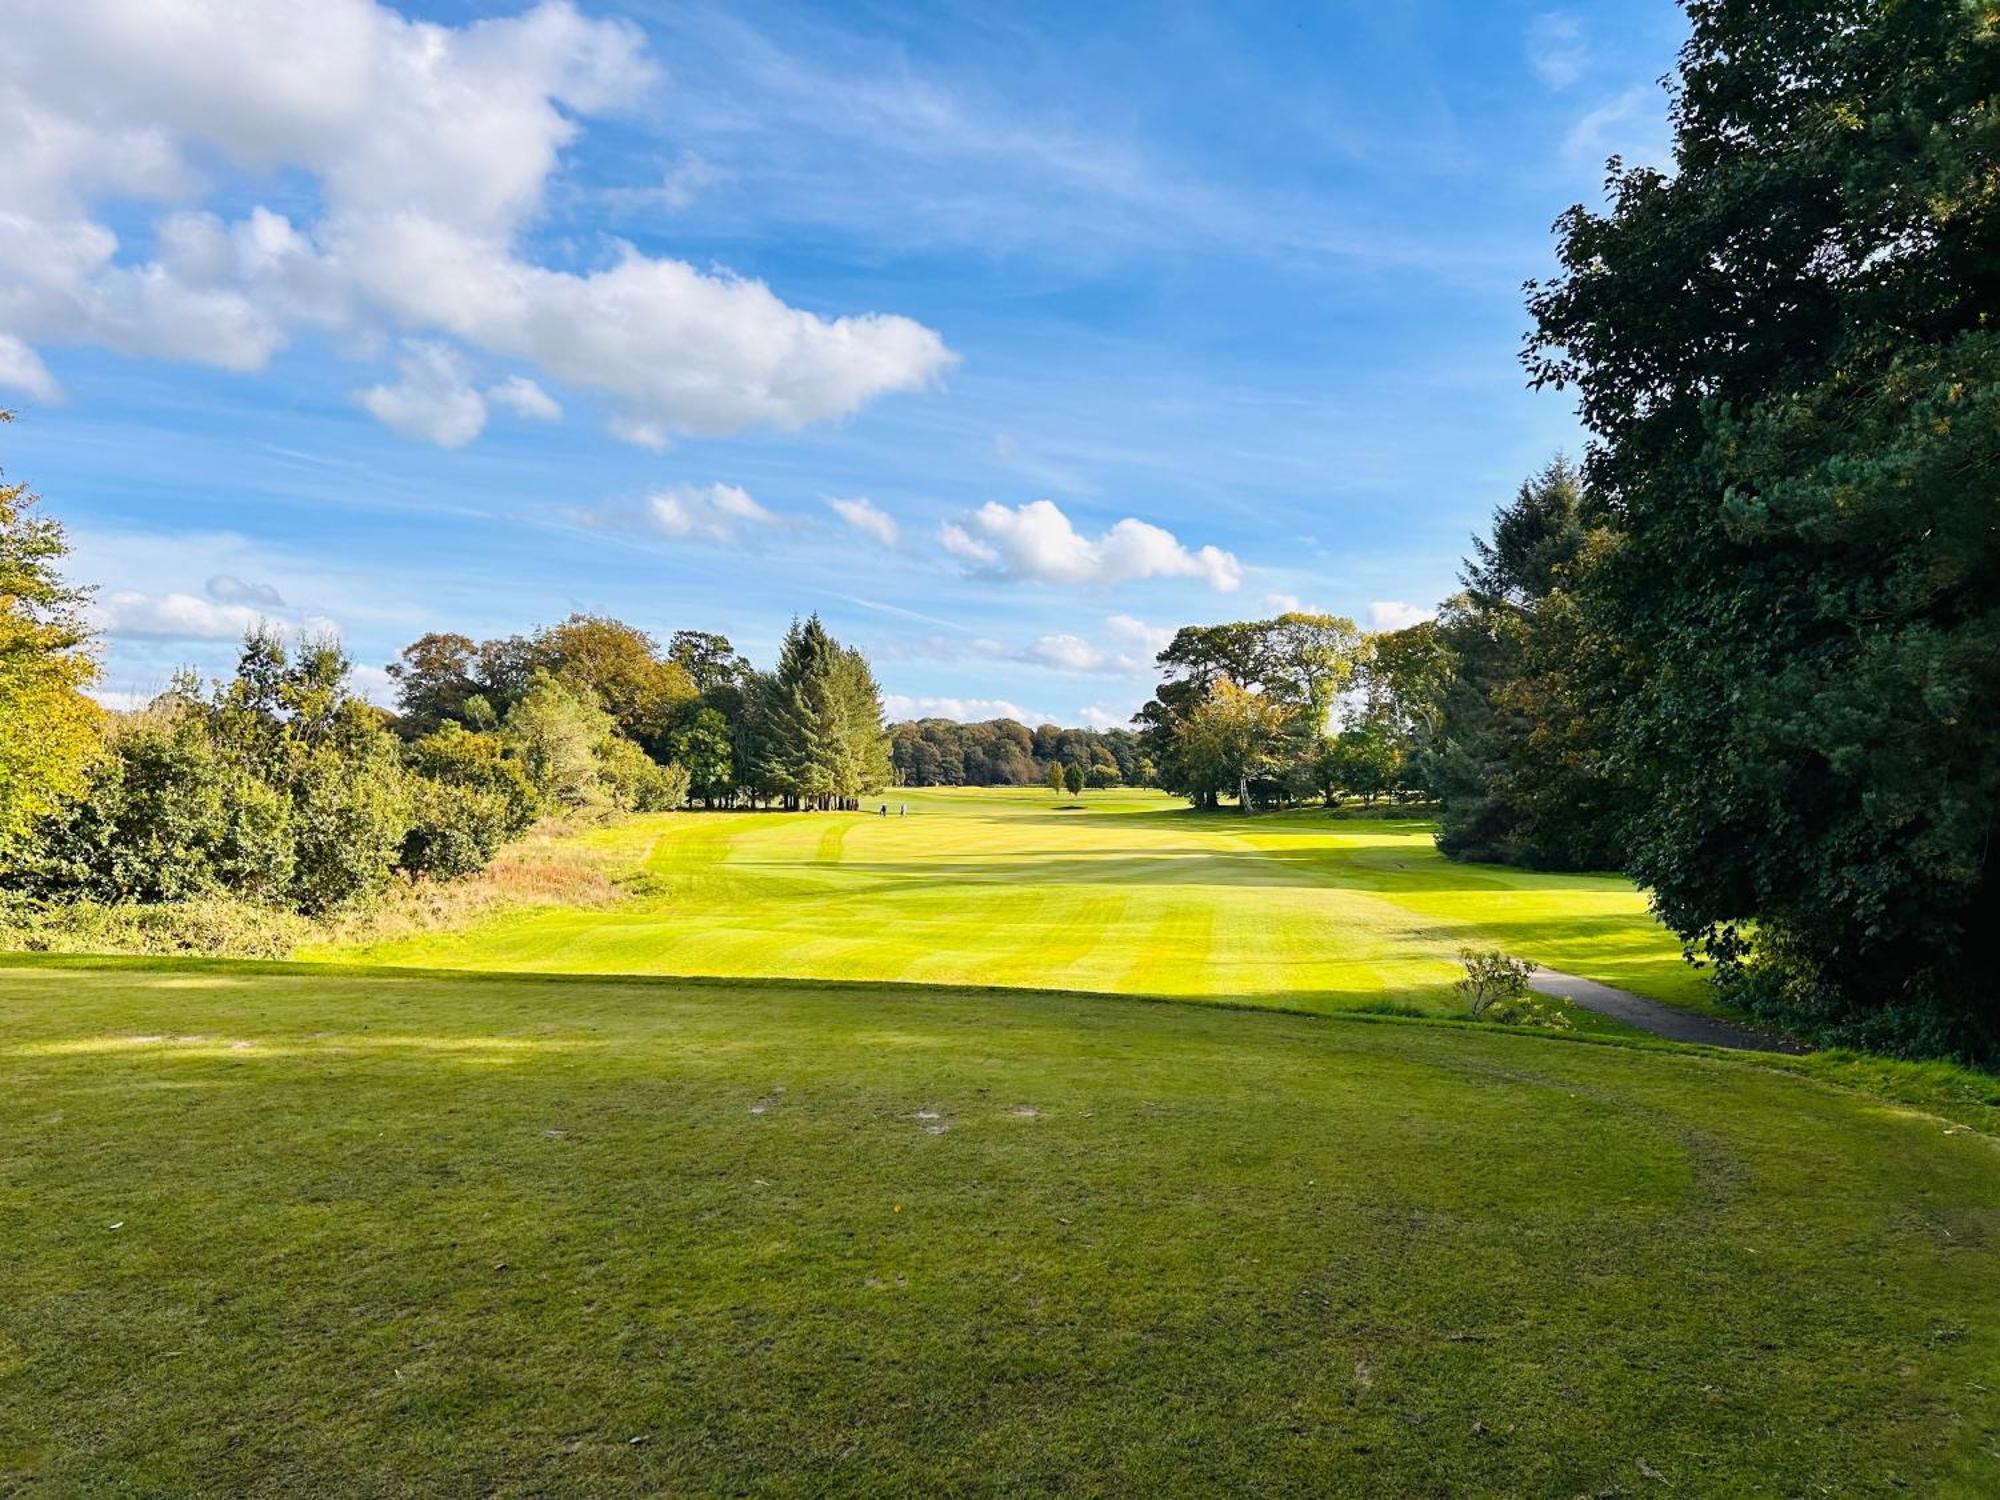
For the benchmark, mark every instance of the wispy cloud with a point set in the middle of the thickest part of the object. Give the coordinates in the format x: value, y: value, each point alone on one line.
x: 1556, y: 49
x: 867, y: 518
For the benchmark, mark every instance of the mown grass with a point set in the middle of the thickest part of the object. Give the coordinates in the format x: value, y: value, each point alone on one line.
x: 282, y: 1232
x: 1132, y: 894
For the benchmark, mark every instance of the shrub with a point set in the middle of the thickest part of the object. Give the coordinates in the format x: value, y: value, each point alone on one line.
x: 479, y: 762
x: 213, y: 926
x: 1529, y: 1009
x: 454, y: 830
x: 1491, y: 977
x: 349, y: 821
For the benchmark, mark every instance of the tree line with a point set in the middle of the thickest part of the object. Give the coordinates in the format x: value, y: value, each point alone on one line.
x: 278, y: 785
x: 1005, y: 752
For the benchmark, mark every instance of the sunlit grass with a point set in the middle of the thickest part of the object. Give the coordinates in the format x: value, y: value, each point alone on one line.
x: 1133, y: 894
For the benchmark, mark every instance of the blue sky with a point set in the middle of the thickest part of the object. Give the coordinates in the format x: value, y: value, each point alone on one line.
x: 1006, y: 337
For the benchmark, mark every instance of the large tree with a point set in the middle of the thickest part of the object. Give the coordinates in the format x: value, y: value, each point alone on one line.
x: 1515, y: 755
x: 1787, y: 351
x: 819, y: 722
x: 48, y: 728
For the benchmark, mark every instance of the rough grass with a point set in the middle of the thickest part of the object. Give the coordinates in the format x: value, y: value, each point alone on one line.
x: 280, y: 1232
x: 1134, y: 895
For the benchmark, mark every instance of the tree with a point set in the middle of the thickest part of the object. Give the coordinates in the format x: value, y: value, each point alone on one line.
x: 702, y: 746
x: 434, y: 677
x: 1233, y: 737
x: 1073, y: 778
x: 48, y: 729
x: 1310, y: 661
x: 709, y: 660
x: 621, y: 667
x: 819, y: 722
x: 1515, y: 757
x: 1786, y: 353
x: 555, y: 732
x: 1056, y: 777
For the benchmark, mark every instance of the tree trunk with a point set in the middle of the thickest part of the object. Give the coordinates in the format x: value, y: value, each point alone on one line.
x: 1243, y: 794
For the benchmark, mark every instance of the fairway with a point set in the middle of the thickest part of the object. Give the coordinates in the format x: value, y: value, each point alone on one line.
x: 1130, y: 893
x: 287, y: 1233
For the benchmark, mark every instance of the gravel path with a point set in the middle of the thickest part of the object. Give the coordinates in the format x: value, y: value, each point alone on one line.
x: 1661, y: 1020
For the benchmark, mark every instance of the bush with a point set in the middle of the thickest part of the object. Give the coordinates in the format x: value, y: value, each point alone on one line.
x: 479, y: 762
x: 454, y: 830
x: 212, y: 926
x: 349, y: 822
x: 1491, y: 977
x: 1530, y: 1009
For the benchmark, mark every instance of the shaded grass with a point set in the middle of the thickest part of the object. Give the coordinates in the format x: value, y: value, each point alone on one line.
x: 1133, y: 894
x: 395, y: 1234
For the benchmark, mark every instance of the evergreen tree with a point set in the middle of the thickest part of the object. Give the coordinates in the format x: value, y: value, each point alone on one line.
x: 1787, y: 354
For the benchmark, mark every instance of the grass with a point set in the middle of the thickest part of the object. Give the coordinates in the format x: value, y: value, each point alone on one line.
x: 1131, y: 894
x: 269, y: 1230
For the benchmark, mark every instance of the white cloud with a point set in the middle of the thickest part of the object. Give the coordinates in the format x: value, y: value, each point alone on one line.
x: 898, y: 706
x: 172, y: 617
x: 1129, y: 645
x: 227, y: 588
x: 1038, y: 543
x: 375, y: 684
x: 867, y: 518
x: 21, y: 369
x: 431, y: 148
x: 706, y: 513
x: 1097, y: 716
x: 1389, y: 614
x: 1290, y: 604
x: 1633, y: 127
x: 434, y: 402
x: 1556, y: 49
x: 524, y: 399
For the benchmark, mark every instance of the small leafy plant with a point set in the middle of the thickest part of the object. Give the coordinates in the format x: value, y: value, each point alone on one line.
x: 1530, y: 1009
x: 1490, y: 978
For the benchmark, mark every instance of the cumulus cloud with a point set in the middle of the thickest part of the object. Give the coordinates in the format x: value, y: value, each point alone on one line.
x: 1036, y: 542
x: 1389, y: 614
x: 1128, y: 645
x: 524, y: 399
x: 867, y: 518
x: 434, y: 402
x: 705, y: 513
x: 897, y: 706
x: 227, y: 588
x: 431, y: 147
x: 172, y: 617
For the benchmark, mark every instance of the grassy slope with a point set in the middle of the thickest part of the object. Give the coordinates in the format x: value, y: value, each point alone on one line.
x: 475, y: 1234
x: 1134, y: 894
